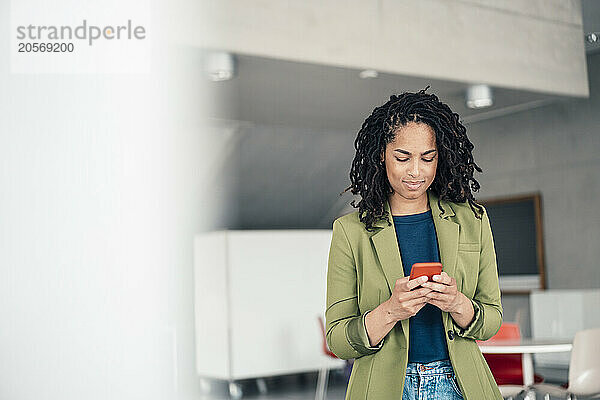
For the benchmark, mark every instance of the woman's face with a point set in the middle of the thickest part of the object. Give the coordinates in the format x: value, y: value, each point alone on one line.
x: 411, y: 160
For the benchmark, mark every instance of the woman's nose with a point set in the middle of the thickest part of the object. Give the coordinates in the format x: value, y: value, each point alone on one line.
x: 415, y: 168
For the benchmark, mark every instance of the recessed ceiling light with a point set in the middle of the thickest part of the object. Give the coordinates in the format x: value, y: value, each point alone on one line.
x: 592, y: 37
x: 219, y: 65
x: 368, y: 74
x: 479, y: 96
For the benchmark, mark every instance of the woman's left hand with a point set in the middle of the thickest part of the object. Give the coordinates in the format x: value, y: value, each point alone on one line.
x: 445, y: 294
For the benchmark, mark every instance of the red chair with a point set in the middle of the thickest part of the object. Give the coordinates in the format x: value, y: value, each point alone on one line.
x: 507, y: 368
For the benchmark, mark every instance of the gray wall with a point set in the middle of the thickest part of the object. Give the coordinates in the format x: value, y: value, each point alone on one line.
x: 553, y: 150
x: 291, y: 177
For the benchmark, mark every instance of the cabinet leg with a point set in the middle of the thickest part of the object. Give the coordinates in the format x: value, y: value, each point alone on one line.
x: 262, y: 385
x: 205, y: 386
x: 235, y: 390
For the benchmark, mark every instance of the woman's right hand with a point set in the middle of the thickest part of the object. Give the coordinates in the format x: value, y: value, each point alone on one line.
x: 406, y: 302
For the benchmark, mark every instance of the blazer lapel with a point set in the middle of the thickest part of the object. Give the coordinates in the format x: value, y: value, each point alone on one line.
x: 388, y: 252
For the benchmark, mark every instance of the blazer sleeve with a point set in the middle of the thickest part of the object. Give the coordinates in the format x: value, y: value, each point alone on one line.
x: 346, y: 333
x: 486, y: 301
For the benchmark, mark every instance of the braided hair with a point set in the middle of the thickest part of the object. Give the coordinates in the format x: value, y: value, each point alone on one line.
x: 454, y: 177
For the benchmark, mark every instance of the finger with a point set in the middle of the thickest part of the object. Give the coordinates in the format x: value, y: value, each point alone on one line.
x: 438, y: 287
x: 413, y: 283
x: 445, y: 297
x: 440, y: 304
x: 437, y: 298
x: 443, y: 278
x: 414, y: 294
x: 433, y: 296
x: 415, y: 302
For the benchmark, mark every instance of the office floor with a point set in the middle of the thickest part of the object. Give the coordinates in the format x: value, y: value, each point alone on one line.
x: 303, y: 386
x: 285, y: 387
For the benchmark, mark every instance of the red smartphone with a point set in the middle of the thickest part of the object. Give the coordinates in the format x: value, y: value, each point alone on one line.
x: 426, y: 268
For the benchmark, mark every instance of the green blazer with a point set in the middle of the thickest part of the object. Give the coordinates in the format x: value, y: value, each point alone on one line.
x: 362, y: 270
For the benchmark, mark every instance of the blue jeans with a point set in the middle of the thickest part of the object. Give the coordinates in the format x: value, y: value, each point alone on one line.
x: 431, y: 381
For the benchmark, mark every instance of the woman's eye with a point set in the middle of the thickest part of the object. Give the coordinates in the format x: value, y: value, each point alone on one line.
x: 406, y: 159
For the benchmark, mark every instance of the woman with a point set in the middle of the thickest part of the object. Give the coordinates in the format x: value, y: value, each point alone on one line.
x: 413, y: 339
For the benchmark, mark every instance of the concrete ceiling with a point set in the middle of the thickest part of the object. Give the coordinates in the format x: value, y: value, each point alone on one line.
x: 275, y: 92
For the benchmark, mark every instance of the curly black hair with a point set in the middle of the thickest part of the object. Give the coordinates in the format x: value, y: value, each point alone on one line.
x: 454, y: 179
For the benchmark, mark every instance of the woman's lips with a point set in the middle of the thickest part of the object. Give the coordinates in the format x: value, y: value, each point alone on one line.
x: 413, y: 186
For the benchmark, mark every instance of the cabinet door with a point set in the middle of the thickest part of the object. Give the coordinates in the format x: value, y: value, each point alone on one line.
x: 277, y: 285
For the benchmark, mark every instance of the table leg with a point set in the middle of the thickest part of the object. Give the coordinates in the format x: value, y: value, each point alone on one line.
x: 527, y: 369
x: 528, y: 374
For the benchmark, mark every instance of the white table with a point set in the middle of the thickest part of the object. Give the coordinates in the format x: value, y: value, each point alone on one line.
x: 526, y: 347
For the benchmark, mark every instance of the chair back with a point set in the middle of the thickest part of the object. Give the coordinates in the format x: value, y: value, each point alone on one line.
x: 508, y: 330
x: 584, y: 367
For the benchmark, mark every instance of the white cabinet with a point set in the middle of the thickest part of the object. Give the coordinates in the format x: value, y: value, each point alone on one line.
x: 257, y: 298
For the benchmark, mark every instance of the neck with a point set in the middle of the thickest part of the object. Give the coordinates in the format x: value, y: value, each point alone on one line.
x: 402, y: 206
